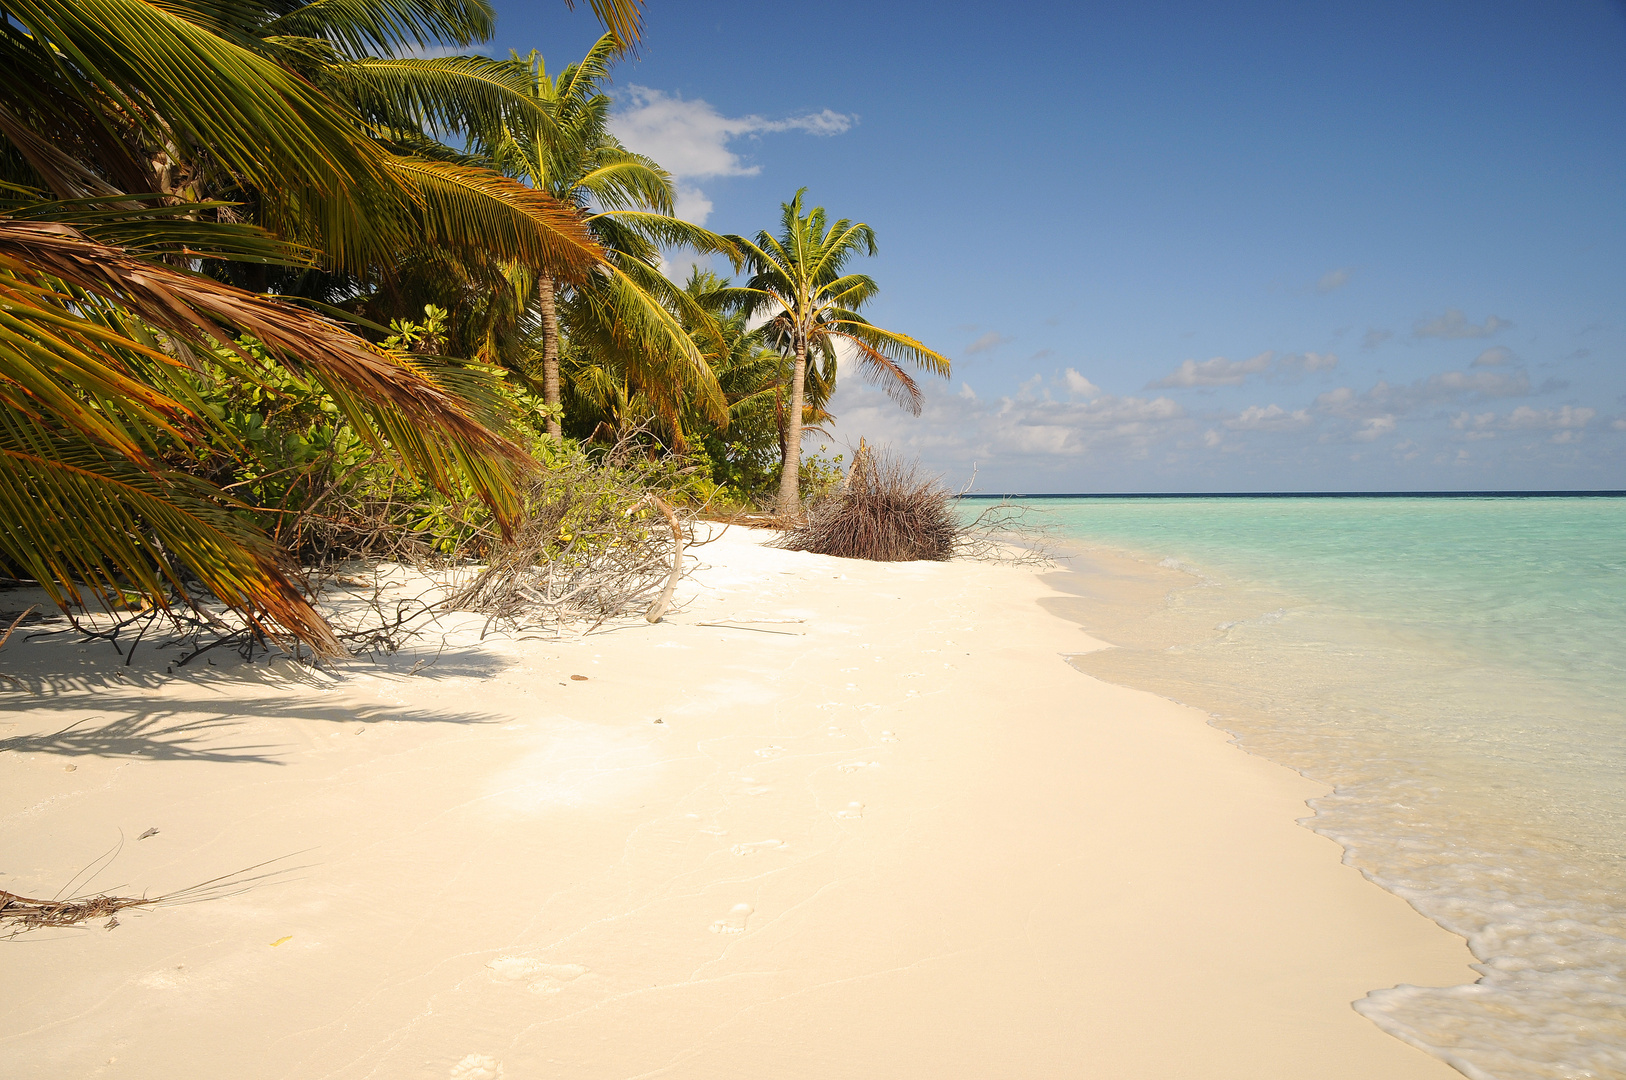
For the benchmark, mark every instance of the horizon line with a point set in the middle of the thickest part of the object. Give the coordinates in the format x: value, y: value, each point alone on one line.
x: 1599, y: 493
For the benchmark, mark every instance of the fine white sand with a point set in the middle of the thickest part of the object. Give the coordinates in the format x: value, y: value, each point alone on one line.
x: 897, y: 838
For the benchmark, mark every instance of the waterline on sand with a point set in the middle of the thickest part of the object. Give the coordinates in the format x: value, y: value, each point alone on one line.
x: 1453, y: 670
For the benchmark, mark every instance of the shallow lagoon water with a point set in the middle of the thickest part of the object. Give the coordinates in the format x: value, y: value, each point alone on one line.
x: 1456, y: 669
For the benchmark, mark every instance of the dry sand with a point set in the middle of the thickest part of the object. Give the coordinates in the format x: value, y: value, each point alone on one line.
x: 898, y: 838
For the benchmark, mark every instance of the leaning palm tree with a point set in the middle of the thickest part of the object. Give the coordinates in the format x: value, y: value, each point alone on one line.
x: 116, y: 116
x: 798, y: 283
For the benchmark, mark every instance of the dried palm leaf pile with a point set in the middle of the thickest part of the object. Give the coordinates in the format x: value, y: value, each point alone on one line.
x: 27, y: 914
x: 888, y: 511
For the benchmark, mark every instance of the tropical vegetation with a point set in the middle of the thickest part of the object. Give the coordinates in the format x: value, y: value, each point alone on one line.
x: 798, y: 282
x: 263, y: 263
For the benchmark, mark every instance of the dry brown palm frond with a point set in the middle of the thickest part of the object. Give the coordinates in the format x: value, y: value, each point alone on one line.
x: 29, y: 914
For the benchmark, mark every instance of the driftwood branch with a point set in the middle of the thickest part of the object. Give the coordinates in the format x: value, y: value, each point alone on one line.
x: 658, y: 608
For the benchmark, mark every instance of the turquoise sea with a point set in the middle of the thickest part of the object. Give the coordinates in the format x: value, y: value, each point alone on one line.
x: 1456, y: 669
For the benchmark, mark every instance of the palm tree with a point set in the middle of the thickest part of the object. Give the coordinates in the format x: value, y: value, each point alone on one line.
x: 130, y: 113
x: 797, y: 281
x: 625, y: 201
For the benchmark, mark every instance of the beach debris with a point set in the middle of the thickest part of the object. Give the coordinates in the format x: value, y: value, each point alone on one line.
x: 19, y: 914
x: 282, y: 940
x: 26, y: 913
x: 149, y: 832
x: 70, y: 768
x: 589, y: 552
x: 578, y: 678
x: 664, y: 600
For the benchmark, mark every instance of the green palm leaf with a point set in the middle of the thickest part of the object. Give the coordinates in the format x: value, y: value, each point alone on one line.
x: 72, y: 512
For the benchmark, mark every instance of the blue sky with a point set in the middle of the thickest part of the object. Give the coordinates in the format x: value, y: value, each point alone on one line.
x: 1182, y: 246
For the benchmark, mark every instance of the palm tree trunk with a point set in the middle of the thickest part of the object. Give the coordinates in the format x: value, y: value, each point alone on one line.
x: 550, y: 353
x: 790, y: 500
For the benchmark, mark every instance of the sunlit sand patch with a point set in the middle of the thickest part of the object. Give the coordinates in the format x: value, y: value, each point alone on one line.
x: 477, y: 1067
x: 734, y: 921
x: 851, y: 812
x: 578, y: 765
x: 539, y: 978
x: 759, y: 845
x: 168, y: 979
x: 854, y: 766
x: 770, y: 751
x: 887, y: 736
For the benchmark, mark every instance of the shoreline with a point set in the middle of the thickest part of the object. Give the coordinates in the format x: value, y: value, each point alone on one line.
x: 899, y: 837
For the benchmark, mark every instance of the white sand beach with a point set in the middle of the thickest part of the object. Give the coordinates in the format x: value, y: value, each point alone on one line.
x: 874, y: 827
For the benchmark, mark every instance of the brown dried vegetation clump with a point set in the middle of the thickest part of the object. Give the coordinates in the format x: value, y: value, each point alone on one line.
x: 888, y: 511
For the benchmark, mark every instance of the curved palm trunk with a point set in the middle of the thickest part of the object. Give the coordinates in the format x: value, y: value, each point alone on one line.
x: 550, y: 352
x: 790, y: 500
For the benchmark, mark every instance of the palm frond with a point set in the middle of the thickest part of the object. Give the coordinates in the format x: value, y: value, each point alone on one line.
x: 359, y: 27
x: 444, y: 95
x: 73, y: 514
x: 429, y: 427
x: 165, y: 72
x: 474, y: 209
x: 622, y: 18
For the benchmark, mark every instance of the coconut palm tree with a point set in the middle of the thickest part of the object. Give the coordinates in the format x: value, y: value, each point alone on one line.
x: 626, y: 202
x: 117, y: 119
x: 797, y: 281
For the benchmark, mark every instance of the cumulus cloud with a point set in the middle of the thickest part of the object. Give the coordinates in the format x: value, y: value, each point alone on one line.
x: 1374, y: 428
x: 1333, y: 279
x: 1565, y: 418
x: 1310, y: 361
x: 1495, y: 356
x: 1454, y: 324
x: 1269, y: 418
x: 991, y: 340
x: 1216, y: 372
x: 691, y: 139
x: 1375, y: 337
x: 1445, y: 387
x: 1079, y: 386
x: 1034, y: 429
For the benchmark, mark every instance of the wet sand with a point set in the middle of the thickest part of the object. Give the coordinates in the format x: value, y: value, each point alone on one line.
x: 874, y: 827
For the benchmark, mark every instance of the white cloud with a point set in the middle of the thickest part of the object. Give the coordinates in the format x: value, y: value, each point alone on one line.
x: 991, y: 340
x: 1311, y: 361
x: 1212, y: 438
x: 1384, y: 400
x: 1454, y: 324
x: 967, y: 393
x: 692, y: 204
x: 1269, y: 418
x: 1375, y: 427
x: 690, y: 138
x: 1216, y: 372
x: 1495, y: 356
x: 1333, y: 279
x: 1566, y: 418
x: 1079, y: 386
x: 1035, y: 429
